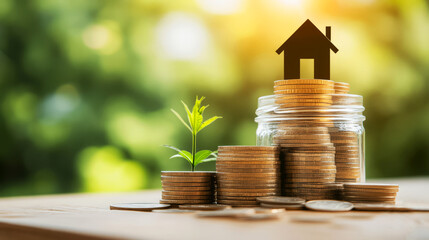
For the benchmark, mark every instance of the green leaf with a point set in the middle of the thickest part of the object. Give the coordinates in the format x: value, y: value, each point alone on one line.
x: 209, y: 160
x: 182, y: 153
x: 208, y: 122
x: 180, y: 118
x: 201, y: 155
x: 188, y: 112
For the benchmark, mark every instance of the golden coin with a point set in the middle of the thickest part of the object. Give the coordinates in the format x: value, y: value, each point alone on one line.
x: 205, y: 207
x: 246, y: 194
x: 309, y: 180
x: 290, y: 105
x: 188, y: 174
x: 371, y: 185
x: 268, y: 160
x: 302, y: 86
x: 236, y: 202
x: 186, y: 179
x: 280, y: 200
x: 293, y: 175
x: 187, y: 184
x: 249, y: 156
x: 188, y: 193
x: 372, y: 190
x: 247, y: 170
x: 286, y: 206
x: 303, y: 136
x: 205, y: 188
x: 305, y: 171
x: 303, y: 96
x: 256, y: 175
x: 181, y: 197
x: 304, y: 100
x: 303, y: 81
x: 241, y: 190
x: 307, y: 91
x: 311, y: 167
x: 236, y: 198
x: 305, y: 141
x: 250, y: 165
x: 202, y: 201
x: 314, y: 185
x: 249, y: 182
x: 305, y: 145
x: 369, y: 194
x: 248, y: 148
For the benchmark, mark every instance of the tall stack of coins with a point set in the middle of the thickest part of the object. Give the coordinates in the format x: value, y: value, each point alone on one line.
x: 347, y: 155
x: 341, y: 88
x: 303, y: 93
x: 370, y: 192
x: 247, y: 172
x: 188, y: 187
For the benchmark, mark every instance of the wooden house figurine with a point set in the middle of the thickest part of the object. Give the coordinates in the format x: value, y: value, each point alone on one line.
x: 307, y: 42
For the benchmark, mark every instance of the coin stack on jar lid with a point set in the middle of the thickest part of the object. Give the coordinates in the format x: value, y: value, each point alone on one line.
x: 341, y: 88
x: 370, y: 192
x: 247, y: 172
x: 188, y: 187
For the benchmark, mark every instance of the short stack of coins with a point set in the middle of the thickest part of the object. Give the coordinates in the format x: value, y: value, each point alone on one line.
x: 341, y: 88
x: 247, y: 172
x: 370, y: 193
x: 303, y: 93
x: 188, y: 187
x: 347, y: 155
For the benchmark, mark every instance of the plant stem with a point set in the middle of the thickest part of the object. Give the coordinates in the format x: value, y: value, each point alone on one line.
x: 194, y: 150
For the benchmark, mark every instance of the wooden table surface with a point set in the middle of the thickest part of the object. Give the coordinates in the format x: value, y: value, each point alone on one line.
x: 87, y: 216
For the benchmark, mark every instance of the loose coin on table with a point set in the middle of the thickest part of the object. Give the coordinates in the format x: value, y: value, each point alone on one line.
x: 138, y: 206
x: 329, y: 205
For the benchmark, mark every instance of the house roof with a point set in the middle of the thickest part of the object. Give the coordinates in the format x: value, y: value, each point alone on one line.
x: 305, y: 32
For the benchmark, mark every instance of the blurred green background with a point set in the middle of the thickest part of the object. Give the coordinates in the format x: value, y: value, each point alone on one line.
x: 86, y: 85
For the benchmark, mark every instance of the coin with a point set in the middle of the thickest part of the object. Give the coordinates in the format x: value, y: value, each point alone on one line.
x: 285, y: 206
x: 186, y: 179
x: 173, y: 210
x: 329, y: 205
x: 246, y: 194
x: 205, y: 188
x: 239, y: 190
x: 235, y: 198
x: 371, y: 185
x: 304, y: 81
x: 307, y: 91
x: 188, y: 193
x: 187, y: 201
x: 186, y: 184
x: 138, y: 206
x: 205, y: 207
x: 248, y: 170
x: 187, y: 173
x: 221, y: 165
x: 183, y: 197
x: 248, y: 148
x: 280, y: 200
x: 238, y: 202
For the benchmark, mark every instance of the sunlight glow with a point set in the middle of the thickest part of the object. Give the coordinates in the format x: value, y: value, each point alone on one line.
x: 221, y: 6
x: 182, y: 36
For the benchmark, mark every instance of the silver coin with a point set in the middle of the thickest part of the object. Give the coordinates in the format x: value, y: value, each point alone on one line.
x: 329, y: 205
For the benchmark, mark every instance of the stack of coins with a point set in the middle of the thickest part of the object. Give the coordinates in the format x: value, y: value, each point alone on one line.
x: 247, y: 172
x: 347, y: 155
x: 370, y: 193
x: 308, y: 159
x: 341, y: 88
x: 303, y: 93
x: 290, y: 203
x: 188, y: 187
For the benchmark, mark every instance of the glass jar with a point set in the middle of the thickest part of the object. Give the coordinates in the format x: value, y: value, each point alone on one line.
x: 317, y: 134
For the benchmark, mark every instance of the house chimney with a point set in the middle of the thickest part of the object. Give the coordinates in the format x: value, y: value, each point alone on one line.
x: 328, y: 32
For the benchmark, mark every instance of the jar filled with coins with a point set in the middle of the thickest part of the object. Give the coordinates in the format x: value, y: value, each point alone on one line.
x: 319, y: 127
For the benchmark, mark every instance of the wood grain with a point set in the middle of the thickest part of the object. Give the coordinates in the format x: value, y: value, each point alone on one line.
x: 87, y: 216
